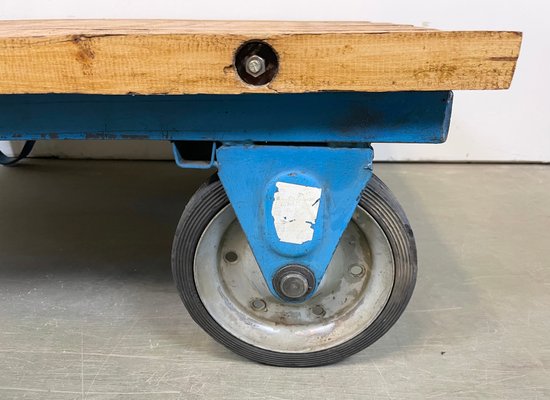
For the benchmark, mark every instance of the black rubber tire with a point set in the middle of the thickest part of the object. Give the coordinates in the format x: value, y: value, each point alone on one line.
x: 376, y: 199
x: 7, y: 161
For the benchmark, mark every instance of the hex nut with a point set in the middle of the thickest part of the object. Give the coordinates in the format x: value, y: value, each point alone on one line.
x: 255, y: 66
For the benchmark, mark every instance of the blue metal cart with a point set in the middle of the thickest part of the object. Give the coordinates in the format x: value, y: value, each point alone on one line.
x: 293, y: 253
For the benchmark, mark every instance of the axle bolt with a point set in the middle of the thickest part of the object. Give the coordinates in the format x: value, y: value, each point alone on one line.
x: 294, y: 285
x: 294, y: 282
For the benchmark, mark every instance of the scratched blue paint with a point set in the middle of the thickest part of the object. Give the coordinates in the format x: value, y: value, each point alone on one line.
x: 249, y: 173
x: 404, y: 117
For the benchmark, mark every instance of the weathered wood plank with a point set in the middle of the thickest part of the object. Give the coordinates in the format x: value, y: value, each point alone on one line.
x: 154, y: 26
x: 177, y: 57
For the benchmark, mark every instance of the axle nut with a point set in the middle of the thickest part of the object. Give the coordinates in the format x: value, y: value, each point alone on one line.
x: 294, y: 285
x: 294, y: 282
x: 255, y: 66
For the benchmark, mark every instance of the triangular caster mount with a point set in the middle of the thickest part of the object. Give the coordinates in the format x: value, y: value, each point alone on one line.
x: 293, y: 203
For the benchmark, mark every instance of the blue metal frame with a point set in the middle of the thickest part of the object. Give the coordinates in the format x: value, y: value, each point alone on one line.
x: 404, y: 117
x: 193, y: 164
x: 318, y: 143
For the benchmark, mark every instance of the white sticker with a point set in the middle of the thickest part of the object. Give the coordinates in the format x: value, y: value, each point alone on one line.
x: 294, y: 211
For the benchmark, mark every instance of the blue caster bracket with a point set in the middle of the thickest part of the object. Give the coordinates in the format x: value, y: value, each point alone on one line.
x: 293, y: 204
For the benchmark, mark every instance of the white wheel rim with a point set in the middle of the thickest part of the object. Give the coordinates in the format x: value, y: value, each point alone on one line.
x: 353, y: 292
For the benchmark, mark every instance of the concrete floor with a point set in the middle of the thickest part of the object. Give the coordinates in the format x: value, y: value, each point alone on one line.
x: 88, y: 308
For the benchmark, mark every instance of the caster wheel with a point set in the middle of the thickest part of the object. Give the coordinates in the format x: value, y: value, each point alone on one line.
x: 364, y: 291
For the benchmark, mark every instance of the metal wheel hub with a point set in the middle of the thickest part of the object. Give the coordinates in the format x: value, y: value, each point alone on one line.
x: 353, y: 292
x: 294, y: 282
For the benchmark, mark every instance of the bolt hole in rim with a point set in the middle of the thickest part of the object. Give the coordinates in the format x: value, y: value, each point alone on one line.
x: 231, y: 257
x: 344, y: 305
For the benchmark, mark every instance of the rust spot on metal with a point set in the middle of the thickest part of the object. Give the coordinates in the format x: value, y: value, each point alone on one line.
x: 359, y: 119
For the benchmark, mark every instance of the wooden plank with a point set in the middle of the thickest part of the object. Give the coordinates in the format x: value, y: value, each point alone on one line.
x: 152, y: 26
x: 177, y: 57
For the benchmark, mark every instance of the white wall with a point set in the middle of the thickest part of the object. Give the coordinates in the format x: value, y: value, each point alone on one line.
x: 489, y: 126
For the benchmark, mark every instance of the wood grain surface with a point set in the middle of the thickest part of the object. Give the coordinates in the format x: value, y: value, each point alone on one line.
x: 178, y: 57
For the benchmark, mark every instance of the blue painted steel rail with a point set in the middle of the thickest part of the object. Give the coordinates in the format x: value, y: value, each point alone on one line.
x: 403, y: 117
